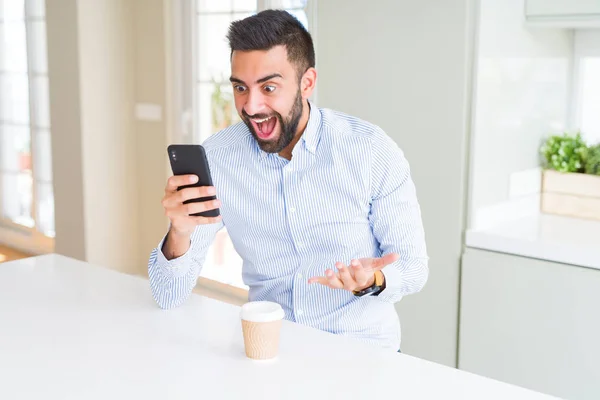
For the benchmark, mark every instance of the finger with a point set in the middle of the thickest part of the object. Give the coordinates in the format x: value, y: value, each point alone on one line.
x: 175, y: 199
x: 198, y: 207
x: 322, y: 280
x: 345, y: 276
x: 206, y: 220
x: 192, y: 208
x: 333, y: 280
x: 381, y: 262
x: 361, y: 275
x: 329, y: 280
x: 194, y: 193
x: 179, y: 180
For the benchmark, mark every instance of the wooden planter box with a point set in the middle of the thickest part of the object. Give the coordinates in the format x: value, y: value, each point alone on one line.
x: 571, y: 194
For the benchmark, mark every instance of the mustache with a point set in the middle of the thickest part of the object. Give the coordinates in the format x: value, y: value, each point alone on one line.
x: 257, y: 116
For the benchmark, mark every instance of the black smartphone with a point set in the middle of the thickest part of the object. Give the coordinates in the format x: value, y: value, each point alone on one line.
x: 190, y: 159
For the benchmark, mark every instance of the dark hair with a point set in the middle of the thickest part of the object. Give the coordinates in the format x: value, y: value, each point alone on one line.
x: 270, y: 28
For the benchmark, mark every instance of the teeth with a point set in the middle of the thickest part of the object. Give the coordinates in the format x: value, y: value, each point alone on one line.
x: 261, y: 120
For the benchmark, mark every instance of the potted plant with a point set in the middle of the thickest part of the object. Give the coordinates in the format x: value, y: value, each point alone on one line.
x: 592, y: 160
x: 571, y: 177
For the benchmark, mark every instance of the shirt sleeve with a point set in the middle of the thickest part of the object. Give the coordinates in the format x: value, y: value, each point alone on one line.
x: 395, y: 218
x: 172, y: 281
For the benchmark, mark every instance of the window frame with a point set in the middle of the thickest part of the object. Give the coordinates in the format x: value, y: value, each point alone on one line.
x: 29, y: 239
x: 586, y: 43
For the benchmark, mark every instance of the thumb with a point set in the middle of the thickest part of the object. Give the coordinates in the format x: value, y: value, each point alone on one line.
x: 379, y: 263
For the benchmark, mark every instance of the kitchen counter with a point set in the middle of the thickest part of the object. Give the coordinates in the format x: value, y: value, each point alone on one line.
x: 547, y: 237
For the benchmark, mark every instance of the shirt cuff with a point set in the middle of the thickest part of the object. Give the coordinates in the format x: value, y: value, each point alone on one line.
x: 175, y: 267
x: 393, y: 283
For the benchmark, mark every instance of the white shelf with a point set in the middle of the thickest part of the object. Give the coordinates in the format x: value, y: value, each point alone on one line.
x: 570, y: 14
x: 546, y: 237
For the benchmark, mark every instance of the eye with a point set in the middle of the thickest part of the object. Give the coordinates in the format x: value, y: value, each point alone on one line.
x: 269, y: 88
x: 239, y: 88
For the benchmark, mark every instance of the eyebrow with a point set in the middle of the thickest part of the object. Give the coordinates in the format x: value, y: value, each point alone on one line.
x: 261, y: 80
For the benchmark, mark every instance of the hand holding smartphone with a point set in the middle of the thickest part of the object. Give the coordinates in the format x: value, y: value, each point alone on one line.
x: 190, y: 198
x: 190, y: 159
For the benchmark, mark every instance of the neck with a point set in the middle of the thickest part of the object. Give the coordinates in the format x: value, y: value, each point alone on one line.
x: 287, y: 151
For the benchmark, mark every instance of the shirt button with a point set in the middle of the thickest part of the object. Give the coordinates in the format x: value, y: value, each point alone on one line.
x: 301, y: 245
x: 292, y: 209
x: 300, y: 312
x: 299, y: 276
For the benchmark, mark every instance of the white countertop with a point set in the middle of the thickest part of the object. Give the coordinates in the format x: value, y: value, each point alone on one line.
x: 547, y: 237
x: 70, y: 330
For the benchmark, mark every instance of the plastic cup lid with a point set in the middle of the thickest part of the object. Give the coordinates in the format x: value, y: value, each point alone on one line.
x: 261, y: 311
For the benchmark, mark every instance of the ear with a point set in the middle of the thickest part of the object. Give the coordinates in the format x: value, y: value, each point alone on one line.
x: 308, y: 82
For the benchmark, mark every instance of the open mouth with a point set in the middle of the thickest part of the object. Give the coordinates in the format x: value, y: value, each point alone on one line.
x: 264, y: 127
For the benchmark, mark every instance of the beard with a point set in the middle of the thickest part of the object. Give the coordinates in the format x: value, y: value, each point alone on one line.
x: 287, y: 127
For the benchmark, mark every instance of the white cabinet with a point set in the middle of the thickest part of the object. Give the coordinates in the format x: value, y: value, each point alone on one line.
x: 531, y: 323
x: 562, y: 7
x: 563, y: 13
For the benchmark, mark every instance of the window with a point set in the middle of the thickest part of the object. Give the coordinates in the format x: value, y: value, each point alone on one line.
x: 587, y: 85
x: 207, y: 106
x: 589, y: 111
x: 26, y: 194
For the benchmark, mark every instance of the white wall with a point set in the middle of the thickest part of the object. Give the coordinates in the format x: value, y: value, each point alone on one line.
x: 404, y: 65
x: 108, y: 145
x: 109, y: 169
x: 66, y: 139
x: 522, y: 94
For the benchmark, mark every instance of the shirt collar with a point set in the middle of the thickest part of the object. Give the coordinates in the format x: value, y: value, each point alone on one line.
x: 311, y: 134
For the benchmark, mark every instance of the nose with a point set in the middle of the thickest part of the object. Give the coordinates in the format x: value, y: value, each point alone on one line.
x: 255, y: 103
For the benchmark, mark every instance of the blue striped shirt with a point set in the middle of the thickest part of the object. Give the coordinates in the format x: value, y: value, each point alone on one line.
x: 346, y: 193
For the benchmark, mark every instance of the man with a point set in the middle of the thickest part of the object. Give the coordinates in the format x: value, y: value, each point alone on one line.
x: 320, y: 205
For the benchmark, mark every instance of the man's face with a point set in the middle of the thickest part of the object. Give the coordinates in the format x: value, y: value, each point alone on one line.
x: 267, y: 96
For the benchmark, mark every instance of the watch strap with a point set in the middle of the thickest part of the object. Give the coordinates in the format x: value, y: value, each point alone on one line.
x: 376, y: 288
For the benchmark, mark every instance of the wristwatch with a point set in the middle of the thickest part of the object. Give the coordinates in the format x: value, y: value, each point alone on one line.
x: 376, y: 288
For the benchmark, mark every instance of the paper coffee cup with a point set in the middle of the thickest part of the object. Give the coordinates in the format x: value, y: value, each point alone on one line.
x: 261, y: 324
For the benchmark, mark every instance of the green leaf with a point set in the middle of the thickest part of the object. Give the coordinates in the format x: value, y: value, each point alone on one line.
x: 592, y: 160
x: 565, y: 153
